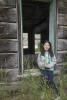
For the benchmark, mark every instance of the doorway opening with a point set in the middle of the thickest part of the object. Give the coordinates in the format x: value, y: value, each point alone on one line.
x: 35, y: 15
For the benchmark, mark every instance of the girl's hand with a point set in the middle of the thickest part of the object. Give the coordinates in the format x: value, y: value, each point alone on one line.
x: 42, y: 66
x: 46, y: 67
x: 44, y: 59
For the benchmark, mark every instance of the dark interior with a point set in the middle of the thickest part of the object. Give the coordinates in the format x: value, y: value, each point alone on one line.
x: 35, y: 20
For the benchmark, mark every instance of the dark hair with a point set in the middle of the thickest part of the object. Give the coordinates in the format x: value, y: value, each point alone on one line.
x: 50, y: 49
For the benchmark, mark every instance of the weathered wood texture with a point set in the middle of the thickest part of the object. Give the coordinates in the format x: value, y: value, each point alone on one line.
x: 62, y: 32
x: 8, y: 45
x: 62, y: 6
x: 62, y: 44
x: 8, y: 30
x: 62, y: 19
x: 8, y: 2
x: 61, y: 57
x: 8, y: 60
x: 8, y: 14
x: 8, y: 34
x: 61, y: 36
x: 59, y: 67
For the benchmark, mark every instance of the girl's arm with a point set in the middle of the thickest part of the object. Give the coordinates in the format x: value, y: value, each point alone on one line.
x: 53, y: 62
x: 39, y: 60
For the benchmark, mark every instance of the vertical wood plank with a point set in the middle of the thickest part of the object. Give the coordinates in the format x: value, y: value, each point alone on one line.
x: 52, y: 24
x: 20, y: 36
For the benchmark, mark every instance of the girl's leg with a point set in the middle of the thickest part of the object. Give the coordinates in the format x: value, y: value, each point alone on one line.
x: 45, y: 76
x: 44, y: 73
x: 51, y: 82
x: 49, y: 78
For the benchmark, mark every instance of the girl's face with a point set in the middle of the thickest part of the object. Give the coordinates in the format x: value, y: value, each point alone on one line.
x: 46, y: 46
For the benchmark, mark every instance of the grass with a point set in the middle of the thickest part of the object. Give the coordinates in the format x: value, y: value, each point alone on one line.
x: 34, y: 88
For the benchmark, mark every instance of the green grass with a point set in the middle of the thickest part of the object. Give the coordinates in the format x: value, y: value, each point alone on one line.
x: 34, y: 88
x: 38, y: 49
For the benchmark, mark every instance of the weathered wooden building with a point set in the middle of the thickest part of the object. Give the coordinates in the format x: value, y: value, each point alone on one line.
x: 45, y: 17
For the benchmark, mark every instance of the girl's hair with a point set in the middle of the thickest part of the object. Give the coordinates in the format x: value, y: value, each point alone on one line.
x: 50, y: 49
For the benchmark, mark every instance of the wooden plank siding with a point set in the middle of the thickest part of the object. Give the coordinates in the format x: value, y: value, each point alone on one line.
x: 8, y: 3
x: 9, y: 60
x: 8, y: 37
x: 62, y: 19
x: 62, y: 32
x: 8, y: 14
x: 8, y: 45
x: 62, y: 44
x: 11, y: 53
x: 61, y: 36
x: 8, y: 30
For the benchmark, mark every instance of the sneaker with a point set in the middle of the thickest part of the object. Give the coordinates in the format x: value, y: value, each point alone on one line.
x: 58, y: 98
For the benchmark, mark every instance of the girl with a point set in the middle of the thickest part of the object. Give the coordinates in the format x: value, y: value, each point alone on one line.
x: 46, y: 61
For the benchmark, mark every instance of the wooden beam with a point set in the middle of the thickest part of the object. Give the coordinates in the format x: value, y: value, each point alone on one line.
x: 52, y: 24
x: 20, y: 37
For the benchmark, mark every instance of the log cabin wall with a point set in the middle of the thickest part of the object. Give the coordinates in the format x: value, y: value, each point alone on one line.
x: 8, y: 37
x: 61, y: 36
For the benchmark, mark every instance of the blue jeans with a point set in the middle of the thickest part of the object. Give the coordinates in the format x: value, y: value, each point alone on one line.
x: 49, y: 78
